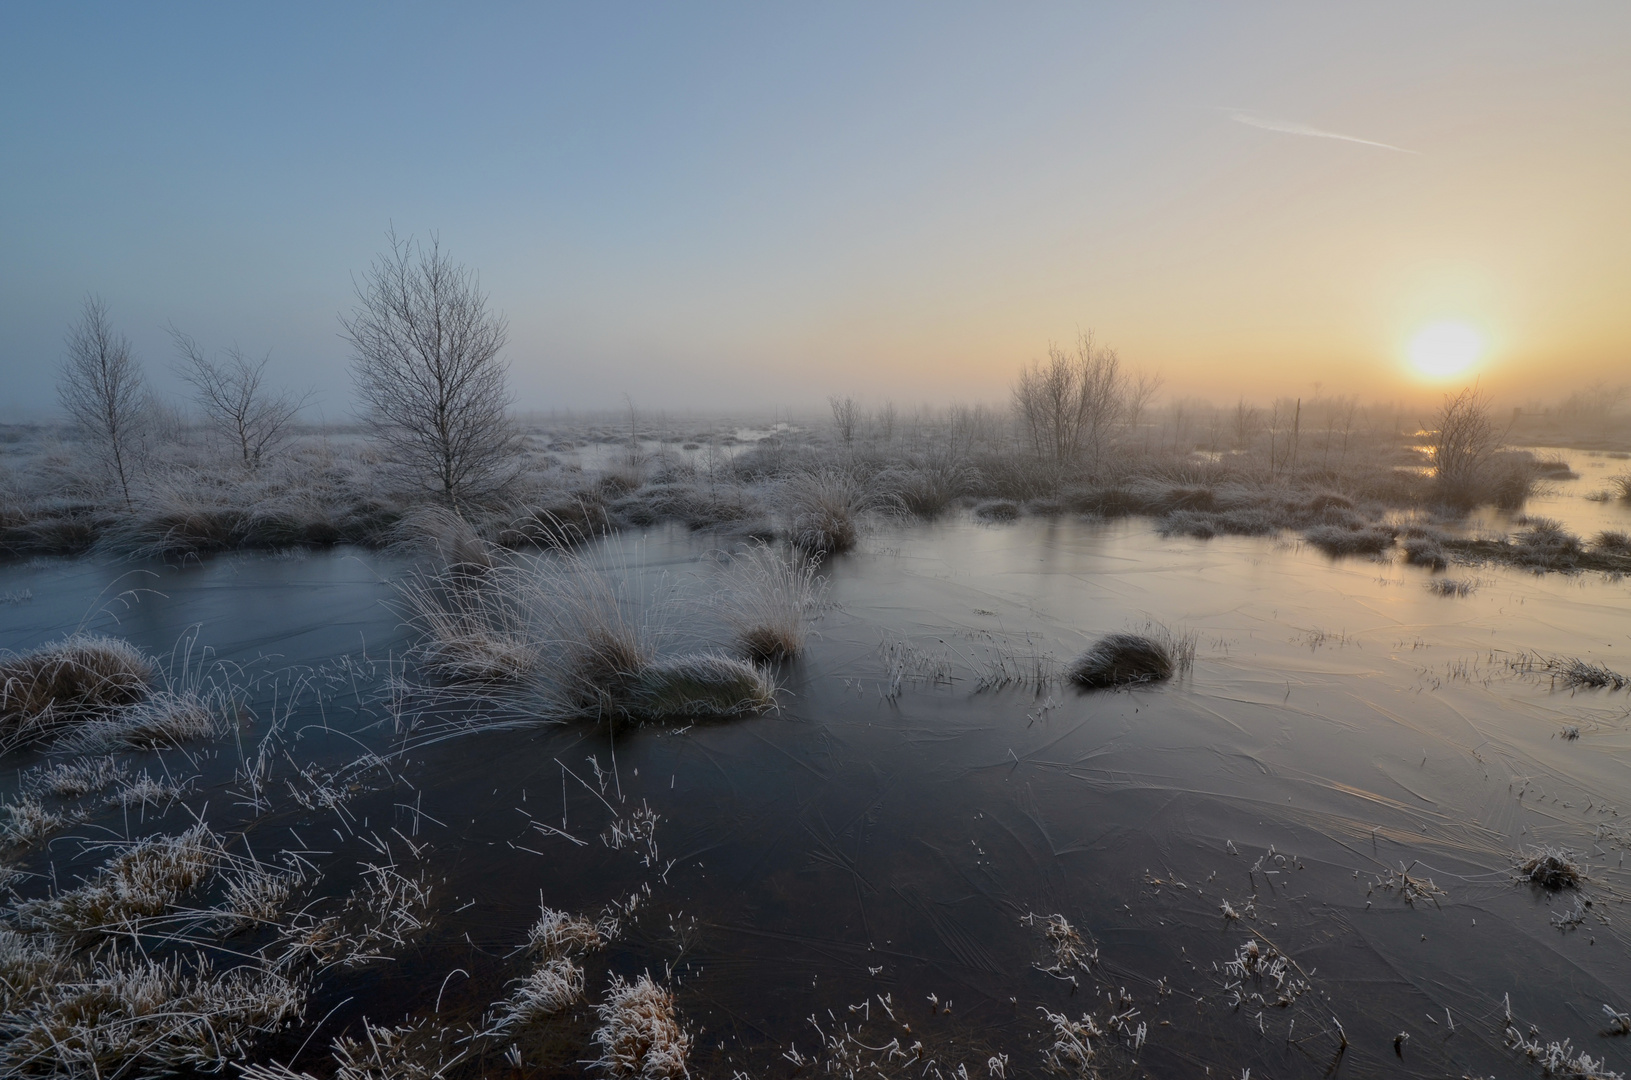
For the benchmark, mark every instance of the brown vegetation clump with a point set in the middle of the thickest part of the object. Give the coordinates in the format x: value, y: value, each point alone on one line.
x: 1551, y: 868
x: 639, y: 1035
x: 825, y: 508
x: 123, y: 1012
x: 81, y: 678
x: 701, y: 686
x: 1131, y: 659
x: 1340, y: 540
x: 141, y: 882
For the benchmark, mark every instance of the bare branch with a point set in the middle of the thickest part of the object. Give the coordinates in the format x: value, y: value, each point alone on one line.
x: 256, y: 420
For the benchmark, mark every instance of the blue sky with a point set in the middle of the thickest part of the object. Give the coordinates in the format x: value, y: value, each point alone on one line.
x: 707, y: 206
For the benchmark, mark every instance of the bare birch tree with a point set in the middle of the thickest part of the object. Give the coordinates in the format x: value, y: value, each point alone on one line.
x: 1070, y: 405
x: 254, y: 418
x: 1464, y: 440
x: 425, y: 362
x: 845, y: 415
x: 101, y: 388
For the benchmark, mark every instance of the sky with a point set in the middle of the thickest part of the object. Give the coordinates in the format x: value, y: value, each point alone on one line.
x: 712, y: 207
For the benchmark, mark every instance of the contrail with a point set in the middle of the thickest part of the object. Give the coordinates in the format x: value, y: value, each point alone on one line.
x: 1292, y: 127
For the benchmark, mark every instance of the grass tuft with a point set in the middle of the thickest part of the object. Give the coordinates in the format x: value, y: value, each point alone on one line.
x: 701, y: 686
x: 124, y: 1013
x: 769, y: 601
x: 139, y: 883
x: 1551, y: 868
x: 639, y: 1035
x: 1131, y: 659
x: 66, y: 683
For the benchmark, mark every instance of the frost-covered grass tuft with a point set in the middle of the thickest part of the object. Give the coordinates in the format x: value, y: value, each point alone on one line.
x: 67, y: 683
x: 639, y: 1035
x: 769, y: 600
x: 1551, y: 868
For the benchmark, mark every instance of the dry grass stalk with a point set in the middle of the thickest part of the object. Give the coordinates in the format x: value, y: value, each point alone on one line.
x: 384, y: 914
x: 66, y: 683
x: 1069, y: 950
x: 639, y: 1035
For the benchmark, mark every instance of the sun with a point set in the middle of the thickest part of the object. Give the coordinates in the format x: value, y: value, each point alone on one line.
x: 1442, y: 349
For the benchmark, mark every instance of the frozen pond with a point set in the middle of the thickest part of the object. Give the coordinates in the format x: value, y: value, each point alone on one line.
x: 877, y: 844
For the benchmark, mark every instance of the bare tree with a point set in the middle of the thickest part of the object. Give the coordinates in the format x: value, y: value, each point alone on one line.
x: 1070, y: 405
x: 845, y: 415
x: 425, y: 361
x: 101, y: 388
x: 1464, y: 440
x: 254, y: 418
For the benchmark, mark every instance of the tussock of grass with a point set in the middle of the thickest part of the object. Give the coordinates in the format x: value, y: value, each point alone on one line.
x: 29, y: 965
x: 701, y: 686
x: 1341, y: 540
x: 1069, y: 951
x: 1452, y: 586
x: 124, y: 1012
x: 825, y: 509
x: 1130, y: 659
x: 556, y: 983
x: 419, y: 1051
x: 256, y: 895
x: 471, y: 627
x: 1425, y: 551
x: 383, y: 914
x: 639, y: 1035
x: 66, y: 683
x: 997, y: 510
x: 1569, y: 672
x: 557, y: 933
x: 142, y: 882
x: 163, y: 720
x: 1551, y: 868
x: 445, y: 535
x: 769, y: 600
x: 28, y: 821
x: 143, y: 790
x: 74, y: 779
x: 1613, y: 543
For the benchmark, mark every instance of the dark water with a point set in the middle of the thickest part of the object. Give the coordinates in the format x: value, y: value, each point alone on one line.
x: 861, y: 846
